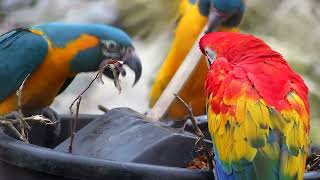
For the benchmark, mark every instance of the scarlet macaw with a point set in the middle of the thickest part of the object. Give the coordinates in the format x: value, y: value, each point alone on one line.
x: 194, y: 15
x: 258, y: 110
x: 53, y: 54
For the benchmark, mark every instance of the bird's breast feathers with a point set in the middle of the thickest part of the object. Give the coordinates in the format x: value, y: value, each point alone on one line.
x: 247, y: 122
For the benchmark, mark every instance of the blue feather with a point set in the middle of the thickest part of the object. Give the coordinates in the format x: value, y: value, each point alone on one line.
x: 88, y: 60
x: 232, y: 9
x: 61, y: 33
x: 228, y: 6
x: 262, y: 167
x: 20, y: 53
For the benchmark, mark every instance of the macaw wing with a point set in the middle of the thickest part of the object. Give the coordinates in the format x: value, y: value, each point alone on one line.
x: 251, y: 138
x: 21, y: 52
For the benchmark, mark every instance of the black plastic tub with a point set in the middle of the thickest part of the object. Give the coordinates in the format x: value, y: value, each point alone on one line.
x: 117, y: 145
x: 150, y: 151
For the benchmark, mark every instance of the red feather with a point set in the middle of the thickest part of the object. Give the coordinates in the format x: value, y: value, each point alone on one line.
x: 251, y: 58
x: 256, y: 105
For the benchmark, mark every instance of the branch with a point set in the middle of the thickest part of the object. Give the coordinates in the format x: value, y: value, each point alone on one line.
x: 111, y: 64
x: 81, y: 94
x: 102, y: 108
x: 8, y: 122
x: 74, y: 125
x: 99, y: 77
x: 199, y: 133
x: 23, y: 124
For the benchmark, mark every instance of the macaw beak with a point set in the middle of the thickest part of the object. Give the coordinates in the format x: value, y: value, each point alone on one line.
x: 130, y: 59
x: 133, y: 62
x: 214, y: 20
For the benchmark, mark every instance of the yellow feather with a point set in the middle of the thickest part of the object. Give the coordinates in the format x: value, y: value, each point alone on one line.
x: 240, y: 109
x: 211, y: 120
x: 185, y: 37
x: 44, y: 83
x: 244, y: 150
x: 242, y: 136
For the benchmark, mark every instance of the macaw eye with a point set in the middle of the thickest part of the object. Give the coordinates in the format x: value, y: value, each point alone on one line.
x: 111, y: 46
x: 211, y: 56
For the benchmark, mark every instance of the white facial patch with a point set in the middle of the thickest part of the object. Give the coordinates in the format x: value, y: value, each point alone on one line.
x: 211, y: 56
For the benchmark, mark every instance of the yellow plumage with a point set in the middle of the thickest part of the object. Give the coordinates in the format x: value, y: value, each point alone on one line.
x: 43, y: 85
x: 247, y: 131
x: 186, y: 33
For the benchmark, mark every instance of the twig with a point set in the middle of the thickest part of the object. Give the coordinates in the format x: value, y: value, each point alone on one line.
x: 110, y: 64
x: 315, y: 162
x: 74, y: 125
x: 73, y: 121
x: 16, y: 132
x: 198, y: 131
x: 98, y: 76
x: 20, y: 119
x: 35, y: 118
x: 102, y: 108
x: 23, y: 124
x: 81, y: 94
x: 11, y: 122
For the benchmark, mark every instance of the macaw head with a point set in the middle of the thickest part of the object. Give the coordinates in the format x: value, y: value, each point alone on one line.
x: 222, y: 12
x: 119, y: 47
x: 114, y: 45
x: 233, y: 46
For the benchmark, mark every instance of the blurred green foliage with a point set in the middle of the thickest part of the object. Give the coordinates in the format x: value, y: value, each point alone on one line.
x: 146, y: 18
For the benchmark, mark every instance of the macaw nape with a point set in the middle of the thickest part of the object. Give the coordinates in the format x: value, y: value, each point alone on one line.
x: 258, y: 111
x: 52, y: 55
x: 220, y: 15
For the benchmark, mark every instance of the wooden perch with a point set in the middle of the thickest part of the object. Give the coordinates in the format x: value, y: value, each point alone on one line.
x: 178, y: 81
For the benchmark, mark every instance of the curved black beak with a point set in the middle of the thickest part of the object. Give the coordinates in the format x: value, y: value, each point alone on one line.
x: 130, y: 59
x: 214, y: 20
x: 133, y: 62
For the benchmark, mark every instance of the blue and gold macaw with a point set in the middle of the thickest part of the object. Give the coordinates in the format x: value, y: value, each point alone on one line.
x: 52, y: 55
x: 221, y: 15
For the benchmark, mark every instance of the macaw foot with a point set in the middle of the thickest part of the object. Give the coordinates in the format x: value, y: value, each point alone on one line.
x: 180, y: 125
x: 52, y: 130
x: 50, y: 114
x: 45, y: 129
x: 14, y: 121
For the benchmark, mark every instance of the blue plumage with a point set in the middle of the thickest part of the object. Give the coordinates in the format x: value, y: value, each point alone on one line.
x: 61, y: 33
x: 232, y: 10
x: 228, y: 5
x: 53, y: 54
x: 20, y: 53
x: 262, y: 167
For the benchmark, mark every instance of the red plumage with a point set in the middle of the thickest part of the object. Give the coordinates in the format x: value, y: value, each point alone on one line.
x: 255, y: 62
x: 258, y: 111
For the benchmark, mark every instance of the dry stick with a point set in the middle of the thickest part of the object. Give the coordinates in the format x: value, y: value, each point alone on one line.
x: 102, y: 108
x: 10, y: 123
x: 23, y: 123
x: 20, y: 119
x: 98, y: 75
x: 74, y: 125
x: 315, y: 162
x: 199, y: 133
x: 36, y: 118
x: 81, y: 94
x: 73, y: 121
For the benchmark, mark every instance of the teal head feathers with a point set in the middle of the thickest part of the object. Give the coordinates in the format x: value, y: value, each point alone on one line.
x: 114, y: 44
x: 226, y: 12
